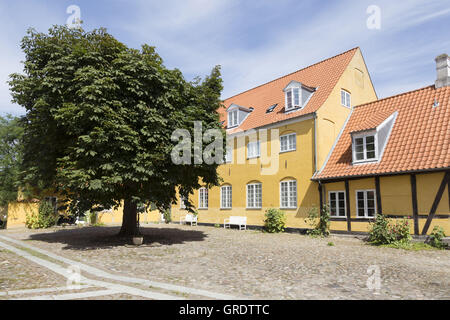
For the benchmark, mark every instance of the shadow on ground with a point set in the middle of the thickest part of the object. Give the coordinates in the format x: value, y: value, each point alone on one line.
x: 92, y: 238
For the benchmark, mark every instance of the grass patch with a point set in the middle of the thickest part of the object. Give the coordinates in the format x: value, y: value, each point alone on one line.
x: 330, y: 244
x: 411, y: 246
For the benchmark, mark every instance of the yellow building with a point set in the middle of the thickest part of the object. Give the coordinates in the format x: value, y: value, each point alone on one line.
x: 393, y: 158
x: 279, y: 134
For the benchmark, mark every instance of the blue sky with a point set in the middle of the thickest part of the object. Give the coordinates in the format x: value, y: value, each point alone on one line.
x: 255, y: 41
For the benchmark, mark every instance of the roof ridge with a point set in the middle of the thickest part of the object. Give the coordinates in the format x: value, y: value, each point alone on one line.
x: 289, y: 74
x: 394, y: 96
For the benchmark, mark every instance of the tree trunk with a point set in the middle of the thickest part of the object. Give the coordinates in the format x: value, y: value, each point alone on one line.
x: 129, y: 221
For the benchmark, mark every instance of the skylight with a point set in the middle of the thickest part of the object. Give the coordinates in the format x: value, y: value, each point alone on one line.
x: 271, y: 108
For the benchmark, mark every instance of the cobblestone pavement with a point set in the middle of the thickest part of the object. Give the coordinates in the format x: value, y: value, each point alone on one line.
x: 252, y: 264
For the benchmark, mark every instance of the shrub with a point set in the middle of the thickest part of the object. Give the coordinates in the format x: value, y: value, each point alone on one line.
x: 383, y: 232
x: 91, y: 217
x: 320, y: 223
x: 275, y: 221
x: 167, y: 216
x: 435, y: 238
x: 44, y: 218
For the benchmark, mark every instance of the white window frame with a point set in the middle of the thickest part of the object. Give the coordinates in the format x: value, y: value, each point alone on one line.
x: 290, y: 204
x: 228, y: 195
x: 228, y: 154
x: 337, y: 203
x: 346, y: 98
x: 289, y: 147
x: 291, y: 105
x: 258, y: 150
x: 233, y: 118
x: 366, y: 216
x: 202, y: 200
x: 364, y: 137
x: 253, y: 205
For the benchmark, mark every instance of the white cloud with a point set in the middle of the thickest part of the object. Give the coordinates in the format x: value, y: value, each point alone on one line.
x: 195, y: 35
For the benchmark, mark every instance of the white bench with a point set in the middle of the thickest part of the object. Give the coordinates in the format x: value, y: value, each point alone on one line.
x: 189, y: 218
x: 235, y: 220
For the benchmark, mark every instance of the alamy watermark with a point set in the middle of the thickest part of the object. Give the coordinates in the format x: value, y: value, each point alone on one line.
x: 208, y: 148
x: 74, y: 20
x: 374, y: 20
x: 373, y: 283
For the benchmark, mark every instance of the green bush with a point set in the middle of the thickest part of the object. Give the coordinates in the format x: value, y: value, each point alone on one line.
x: 44, y: 218
x: 167, y: 216
x: 435, y: 238
x: 275, y: 221
x: 383, y: 232
x: 320, y: 223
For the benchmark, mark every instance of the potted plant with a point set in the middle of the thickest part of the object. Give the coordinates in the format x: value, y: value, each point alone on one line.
x: 138, y: 238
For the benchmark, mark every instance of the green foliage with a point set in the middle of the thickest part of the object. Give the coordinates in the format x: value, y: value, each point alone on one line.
x: 167, y: 214
x: 275, y: 221
x: 44, y: 218
x: 330, y: 244
x: 91, y: 217
x: 217, y: 225
x: 383, y: 232
x: 10, y: 157
x: 435, y: 238
x: 320, y: 224
x: 100, y: 116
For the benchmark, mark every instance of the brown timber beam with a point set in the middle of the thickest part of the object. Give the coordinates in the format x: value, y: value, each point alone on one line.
x: 414, y: 204
x: 378, y: 195
x: 436, y: 202
x: 347, y: 200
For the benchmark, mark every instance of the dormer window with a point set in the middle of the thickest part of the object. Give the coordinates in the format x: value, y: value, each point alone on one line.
x: 236, y: 115
x: 369, y: 145
x: 296, y: 96
x: 364, y: 147
x: 292, y: 98
x: 233, y: 118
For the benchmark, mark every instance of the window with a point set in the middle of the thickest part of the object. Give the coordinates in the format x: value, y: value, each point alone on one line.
x: 337, y: 203
x: 254, y: 195
x: 233, y: 118
x: 182, y: 202
x: 203, y: 198
x: 345, y: 98
x: 288, y: 142
x: 292, y: 98
x: 228, y: 155
x: 253, y: 149
x: 365, y: 203
x: 364, y: 147
x: 225, y: 197
x: 288, y: 194
x: 271, y: 108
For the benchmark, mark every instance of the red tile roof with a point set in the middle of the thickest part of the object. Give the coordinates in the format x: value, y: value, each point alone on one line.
x: 322, y: 75
x: 419, y: 140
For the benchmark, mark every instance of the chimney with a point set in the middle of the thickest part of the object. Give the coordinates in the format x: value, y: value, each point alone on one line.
x: 443, y: 71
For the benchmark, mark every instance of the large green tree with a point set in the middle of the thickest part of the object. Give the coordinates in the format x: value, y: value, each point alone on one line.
x: 10, y: 158
x: 99, y: 120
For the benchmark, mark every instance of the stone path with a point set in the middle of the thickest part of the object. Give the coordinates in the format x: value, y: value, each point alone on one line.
x: 113, y: 288
x: 211, y: 263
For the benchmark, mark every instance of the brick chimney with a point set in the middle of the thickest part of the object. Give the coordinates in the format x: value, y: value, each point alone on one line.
x: 443, y: 71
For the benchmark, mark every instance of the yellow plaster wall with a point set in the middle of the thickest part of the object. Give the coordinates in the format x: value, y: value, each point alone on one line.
x: 332, y: 115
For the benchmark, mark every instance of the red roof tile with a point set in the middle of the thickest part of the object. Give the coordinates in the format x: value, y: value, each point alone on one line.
x: 322, y: 75
x: 419, y: 140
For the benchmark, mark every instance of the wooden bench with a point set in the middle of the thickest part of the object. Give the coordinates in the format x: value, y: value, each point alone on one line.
x: 189, y: 218
x: 237, y: 221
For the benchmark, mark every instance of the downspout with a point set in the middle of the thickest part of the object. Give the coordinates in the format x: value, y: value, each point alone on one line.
x: 315, y: 142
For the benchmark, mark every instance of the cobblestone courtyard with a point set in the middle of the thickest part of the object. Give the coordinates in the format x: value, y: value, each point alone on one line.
x: 242, y: 264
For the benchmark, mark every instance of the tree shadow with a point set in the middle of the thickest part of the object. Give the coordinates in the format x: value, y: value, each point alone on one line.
x: 93, y: 238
